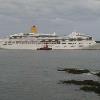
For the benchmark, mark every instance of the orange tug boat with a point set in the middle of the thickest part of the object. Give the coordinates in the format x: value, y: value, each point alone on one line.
x: 44, y: 48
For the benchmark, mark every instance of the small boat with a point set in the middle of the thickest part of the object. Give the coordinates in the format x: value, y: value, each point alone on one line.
x: 44, y: 48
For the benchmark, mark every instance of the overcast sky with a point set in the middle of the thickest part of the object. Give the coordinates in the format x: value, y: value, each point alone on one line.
x: 60, y: 16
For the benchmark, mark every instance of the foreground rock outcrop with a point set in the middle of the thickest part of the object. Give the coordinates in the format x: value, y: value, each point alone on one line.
x: 74, y: 70
x: 85, y: 85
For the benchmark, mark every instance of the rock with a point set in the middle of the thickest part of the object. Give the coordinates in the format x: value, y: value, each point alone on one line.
x: 95, y: 89
x: 97, y: 74
x: 74, y: 70
x: 86, y: 85
x: 84, y: 82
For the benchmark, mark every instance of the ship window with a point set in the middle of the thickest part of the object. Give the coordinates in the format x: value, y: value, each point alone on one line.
x: 63, y: 39
x: 13, y: 41
x: 69, y: 43
x: 9, y: 41
x: 72, y: 46
x: 58, y: 42
x: 73, y: 43
x: 72, y: 39
x: 79, y: 39
x: 5, y: 44
x: 63, y: 43
x: 9, y: 44
x: 80, y: 45
x: 53, y: 43
x: 14, y: 37
x: 90, y: 38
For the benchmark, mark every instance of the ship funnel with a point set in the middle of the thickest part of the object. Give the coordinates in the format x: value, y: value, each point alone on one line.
x: 34, y: 29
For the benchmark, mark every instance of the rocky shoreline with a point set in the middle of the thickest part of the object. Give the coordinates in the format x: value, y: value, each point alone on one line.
x: 85, y: 85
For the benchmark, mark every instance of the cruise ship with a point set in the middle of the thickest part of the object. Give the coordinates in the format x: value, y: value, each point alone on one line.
x: 39, y: 41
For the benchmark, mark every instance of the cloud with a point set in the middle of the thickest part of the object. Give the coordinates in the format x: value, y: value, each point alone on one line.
x: 49, y: 9
x: 44, y: 7
x: 48, y: 13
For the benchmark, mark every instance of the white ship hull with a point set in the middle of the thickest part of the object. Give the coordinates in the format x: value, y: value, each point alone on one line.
x: 73, y: 45
x: 95, y: 47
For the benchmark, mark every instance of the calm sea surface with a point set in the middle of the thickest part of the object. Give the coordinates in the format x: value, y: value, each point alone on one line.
x: 33, y: 75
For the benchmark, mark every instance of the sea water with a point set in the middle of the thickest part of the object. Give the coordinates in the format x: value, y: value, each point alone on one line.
x: 33, y: 75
